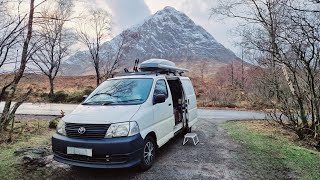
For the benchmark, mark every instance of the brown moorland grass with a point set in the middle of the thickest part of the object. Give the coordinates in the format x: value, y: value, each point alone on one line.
x: 70, y: 89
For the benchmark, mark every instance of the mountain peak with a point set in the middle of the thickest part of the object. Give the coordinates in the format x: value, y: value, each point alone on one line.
x: 166, y: 12
x: 168, y: 34
x: 169, y: 9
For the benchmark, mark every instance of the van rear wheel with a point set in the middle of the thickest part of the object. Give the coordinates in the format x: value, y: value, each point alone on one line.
x: 149, y: 153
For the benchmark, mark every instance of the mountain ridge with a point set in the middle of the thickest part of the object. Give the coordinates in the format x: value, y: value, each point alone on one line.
x: 168, y: 34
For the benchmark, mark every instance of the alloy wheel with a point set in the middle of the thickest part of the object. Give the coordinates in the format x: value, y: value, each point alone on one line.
x: 148, y: 153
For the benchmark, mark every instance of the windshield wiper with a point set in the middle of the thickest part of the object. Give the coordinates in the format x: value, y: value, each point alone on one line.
x: 89, y: 103
x: 130, y: 100
x: 98, y: 103
x: 107, y: 103
x: 109, y: 94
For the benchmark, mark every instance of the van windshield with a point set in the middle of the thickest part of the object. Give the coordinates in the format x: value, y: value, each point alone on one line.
x: 120, y: 91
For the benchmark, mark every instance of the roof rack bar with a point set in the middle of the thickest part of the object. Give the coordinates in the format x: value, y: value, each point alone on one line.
x: 147, y: 73
x: 132, y: 73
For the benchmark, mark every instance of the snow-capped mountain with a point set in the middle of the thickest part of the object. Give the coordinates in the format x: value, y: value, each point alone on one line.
x: 167, y: 34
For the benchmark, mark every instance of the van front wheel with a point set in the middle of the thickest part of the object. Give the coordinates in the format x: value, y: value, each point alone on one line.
x: 149, y: 153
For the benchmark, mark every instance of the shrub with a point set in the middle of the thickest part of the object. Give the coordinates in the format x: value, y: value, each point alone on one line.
x: 42, y: 95
x: 65, y: 97
x: 228, y: 105
x: 75, y: 97
x: 59, y: 97
x: 5, y: 95
x: 88, y: 90
x: 53, y: 123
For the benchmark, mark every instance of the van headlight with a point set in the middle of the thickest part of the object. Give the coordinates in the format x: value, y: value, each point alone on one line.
x: 122, y: 129
x: 61, y: 128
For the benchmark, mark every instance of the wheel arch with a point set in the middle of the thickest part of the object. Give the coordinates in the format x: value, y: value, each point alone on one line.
x: 154, y: 136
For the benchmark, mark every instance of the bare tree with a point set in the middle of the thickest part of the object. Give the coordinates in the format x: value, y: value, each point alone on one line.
x: 8, y: 111
x: 55, y: 39
x: 203, y: 68
x: 92, y: 32
x: 287, y: 38
x: 11, y: 28
x: 232, y: 74
x: 124, y: 43
x: 242, y: 71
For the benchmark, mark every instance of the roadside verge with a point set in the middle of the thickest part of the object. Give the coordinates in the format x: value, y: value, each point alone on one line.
x: 273, y: 153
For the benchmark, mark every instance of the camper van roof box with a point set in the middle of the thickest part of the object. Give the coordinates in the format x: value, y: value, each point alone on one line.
x: 161, y: 65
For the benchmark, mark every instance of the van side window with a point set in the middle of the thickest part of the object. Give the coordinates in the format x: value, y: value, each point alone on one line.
x: 161, y: 88
x: 188, y: 87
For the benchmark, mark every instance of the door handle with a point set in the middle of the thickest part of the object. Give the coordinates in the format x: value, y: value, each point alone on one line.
x: 170, y: 104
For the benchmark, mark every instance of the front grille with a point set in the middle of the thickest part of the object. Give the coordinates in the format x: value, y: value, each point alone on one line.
x: 92, y: 131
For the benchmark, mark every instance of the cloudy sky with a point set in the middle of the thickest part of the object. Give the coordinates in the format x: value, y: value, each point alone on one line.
x: 127, y: 13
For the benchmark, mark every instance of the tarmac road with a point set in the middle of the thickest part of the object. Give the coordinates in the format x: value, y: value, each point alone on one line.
x: 45, y: 109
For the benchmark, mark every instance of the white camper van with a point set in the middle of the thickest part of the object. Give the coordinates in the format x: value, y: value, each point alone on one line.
x: 126, y: 118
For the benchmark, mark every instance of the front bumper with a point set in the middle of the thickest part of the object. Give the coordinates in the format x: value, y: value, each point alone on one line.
x: 122, y: 152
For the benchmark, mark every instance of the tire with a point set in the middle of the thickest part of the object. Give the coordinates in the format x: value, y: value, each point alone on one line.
x: 148, y: 154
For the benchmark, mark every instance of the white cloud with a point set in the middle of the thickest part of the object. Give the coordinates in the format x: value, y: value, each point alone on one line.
x: 126, y: 13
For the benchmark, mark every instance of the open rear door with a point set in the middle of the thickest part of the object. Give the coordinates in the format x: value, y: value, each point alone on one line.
x: 191, y: 101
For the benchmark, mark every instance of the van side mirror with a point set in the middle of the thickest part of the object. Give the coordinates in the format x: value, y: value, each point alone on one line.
x: 84, y: 97
x: 160, y: 98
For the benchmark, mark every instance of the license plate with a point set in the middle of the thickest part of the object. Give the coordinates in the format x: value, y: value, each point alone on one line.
x: 79, y: 151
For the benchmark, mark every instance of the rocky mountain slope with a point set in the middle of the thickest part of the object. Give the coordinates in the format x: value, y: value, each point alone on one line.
x: 167, y: 34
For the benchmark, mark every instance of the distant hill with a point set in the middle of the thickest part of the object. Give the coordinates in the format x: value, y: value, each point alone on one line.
x: 168, y: 34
